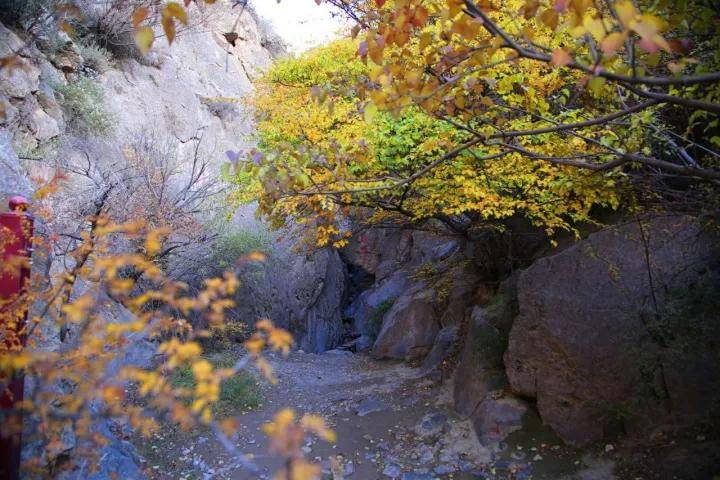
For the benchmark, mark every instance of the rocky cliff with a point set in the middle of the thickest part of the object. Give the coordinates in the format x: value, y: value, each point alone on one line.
x: 77, y: 102
x: 607, y: 338
x: 194, y: 87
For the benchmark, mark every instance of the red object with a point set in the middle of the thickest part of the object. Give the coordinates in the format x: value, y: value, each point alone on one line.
x: 16, y: 231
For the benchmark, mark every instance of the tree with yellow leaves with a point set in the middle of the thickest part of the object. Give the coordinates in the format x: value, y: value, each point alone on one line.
x: 479, y: 111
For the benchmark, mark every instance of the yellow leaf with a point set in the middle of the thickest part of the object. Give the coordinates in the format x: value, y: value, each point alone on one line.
x: 303, y: 470
x: 153, y: 242
x: 626, y: 12
x: 255, y: 344
x: 316, y: 424
x: 370, y: 112
x: 595, y: 27
x: 255, y: 257
x: 202, y: 369
x: 676, y: 67
x: 595, y: 85
x: 144, y: 38
x: 280, y: 339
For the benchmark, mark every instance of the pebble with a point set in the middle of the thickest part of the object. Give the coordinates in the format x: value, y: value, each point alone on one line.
x: 391, y: 470
x: 418, y: 476
x: 369, y: 405
x: 445, y: 469
x: 431, y: 425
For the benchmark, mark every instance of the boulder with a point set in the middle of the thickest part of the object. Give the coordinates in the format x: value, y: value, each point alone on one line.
x: 370, y: 306
x: 441, y: 349
x: 620, y: 322
x: 409, y: 327
x: 16, y: 82
x: 43, y: 126
x: 480, y: 383
x: 480, y: 369
x: 19, y: 82
x: 399, y: 300
x: 497, y: 417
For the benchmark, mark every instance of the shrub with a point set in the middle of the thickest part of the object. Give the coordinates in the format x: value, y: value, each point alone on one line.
x: 234, y: 245
x: 238, y: 392
x: 95, y: 57
x: 84, y: 103
x: 226, y: 336
x: 377, y: 318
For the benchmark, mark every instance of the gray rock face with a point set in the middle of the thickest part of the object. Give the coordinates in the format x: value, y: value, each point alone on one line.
x: 43, y: 126
x: 368, y: 309
x: 604, y: 325
x: 308, y: 292
x: 12, y: 181
x: 197, y: 84
x: 299, y: 290
x: 16, y: 82
x: 118, y: 459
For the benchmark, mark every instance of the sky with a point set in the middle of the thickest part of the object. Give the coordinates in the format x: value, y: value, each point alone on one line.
x: 301, y: 23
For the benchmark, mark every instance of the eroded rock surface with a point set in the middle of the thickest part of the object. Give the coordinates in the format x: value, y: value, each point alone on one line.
x: 608, y: 324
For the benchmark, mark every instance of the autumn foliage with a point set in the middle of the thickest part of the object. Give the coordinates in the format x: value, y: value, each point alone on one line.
x: 475, y: 112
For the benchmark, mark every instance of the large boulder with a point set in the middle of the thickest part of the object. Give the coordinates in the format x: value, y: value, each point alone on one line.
x: 409, y: 327
x: 622, y: 321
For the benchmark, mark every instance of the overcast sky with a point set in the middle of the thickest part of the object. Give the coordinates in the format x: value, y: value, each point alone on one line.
x: 302, y: 23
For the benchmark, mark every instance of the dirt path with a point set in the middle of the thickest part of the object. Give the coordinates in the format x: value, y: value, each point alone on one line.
x: 390, y: 424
